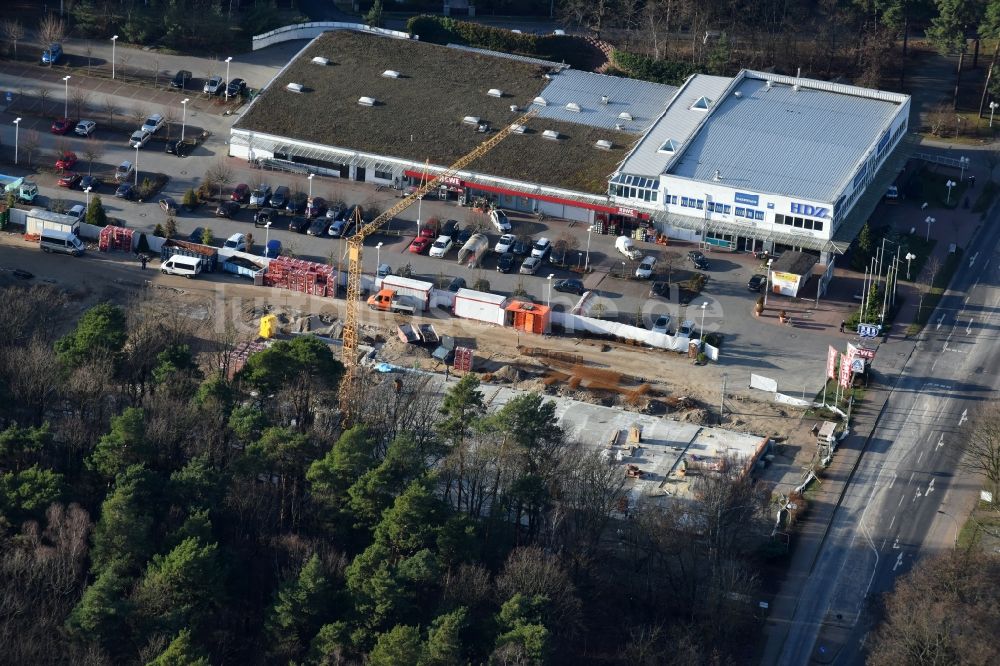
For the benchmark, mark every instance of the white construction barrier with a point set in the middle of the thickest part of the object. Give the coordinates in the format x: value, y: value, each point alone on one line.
x: 573, y: 322
x: 288, y: 33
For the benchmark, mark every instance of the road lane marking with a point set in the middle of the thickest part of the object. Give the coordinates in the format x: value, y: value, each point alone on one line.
x: 899, y: 561
x: 916, y: 495
x: 965, y: 417
x: 891, y: 522
x: 920, y: 457
x: 893, y: 482
x: 940, y: 442
x: 911, y: 478
x: 883, y: 543
x: 900, y: 502
x: 972, y: 259
x: 930, y: 488
x: 968, y: 329
x: 895, y: 544
x: 940, y: 321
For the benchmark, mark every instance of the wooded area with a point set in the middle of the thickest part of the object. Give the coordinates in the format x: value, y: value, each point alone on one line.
x: 155, y: 511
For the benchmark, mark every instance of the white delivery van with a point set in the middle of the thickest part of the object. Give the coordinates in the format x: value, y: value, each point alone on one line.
x: 181, y: 265
x: 53, y: 240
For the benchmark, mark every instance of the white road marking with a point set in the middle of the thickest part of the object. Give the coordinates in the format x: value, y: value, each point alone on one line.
x: 883, y: 544
x: 895, y: 544
x: 972, y: 259
x: 911, y: 478
x: 965, y: 417
x: 920, y: 457
x: 899, y: 561
x: 891, y: 522
x: 900, y: 502
x: 893, y: 482
x: 915, y: 496
x: 940, y: 442
x: 968, y: 329
x: 940, y: 321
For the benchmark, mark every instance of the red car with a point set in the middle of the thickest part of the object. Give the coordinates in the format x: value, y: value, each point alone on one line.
x: 62, y: 125
x: 420, y: 245
x: 429, y: 231
x: 67, y: 161
x: 70, y: 179
x: 241, y: 193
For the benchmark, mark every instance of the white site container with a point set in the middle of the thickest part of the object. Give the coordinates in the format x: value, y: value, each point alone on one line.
x: 480, y: 305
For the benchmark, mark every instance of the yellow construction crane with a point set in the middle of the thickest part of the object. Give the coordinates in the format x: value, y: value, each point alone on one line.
x: 356, y: 243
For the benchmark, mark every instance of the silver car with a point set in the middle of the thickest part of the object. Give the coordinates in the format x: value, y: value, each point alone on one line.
x: 530, y: 266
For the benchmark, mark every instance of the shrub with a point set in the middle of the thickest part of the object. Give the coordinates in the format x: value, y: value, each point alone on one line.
x: 659, y: 71
x: 206, y: 236
x: 190, y: 199
x: 171, y: 228
x: 158, y: 231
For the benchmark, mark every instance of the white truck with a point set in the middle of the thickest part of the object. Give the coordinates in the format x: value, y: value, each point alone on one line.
x: 418, y: 290
x: 627, y: 248
x: 24, y: 190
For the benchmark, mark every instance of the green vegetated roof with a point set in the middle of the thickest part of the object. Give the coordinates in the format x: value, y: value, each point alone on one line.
x: 419, y: 116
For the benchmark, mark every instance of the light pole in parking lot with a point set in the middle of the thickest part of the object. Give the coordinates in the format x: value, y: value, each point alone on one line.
x: 267, y: 237
x: 930, y: 220
x: 909, y: 257
x: 114, y: 40
x: 66, y: 105
x: 17, y: 127
x: 704, y: 306
x: 88, y: 196
x: 228, y: 60
x: 767, y: 279
x: 310, y: 179
x: 548, y: 301
x: 378, y: 256
x: 589, y: 230
x: 184, y: 110
x: 137, y: 165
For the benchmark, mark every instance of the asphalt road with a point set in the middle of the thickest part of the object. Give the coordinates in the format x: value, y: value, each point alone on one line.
x: 906, y: 498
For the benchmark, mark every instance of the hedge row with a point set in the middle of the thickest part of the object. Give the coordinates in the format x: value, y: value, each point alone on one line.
x: 670, y: 72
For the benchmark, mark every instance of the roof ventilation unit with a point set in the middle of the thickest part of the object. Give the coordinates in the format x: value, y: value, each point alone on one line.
x: 540, y: 101
x: 796, y: 87
x: 603, y: 144
x: 471, y: 120
x: 294, y: 87
x: 320, y: 60
x: 552, y: 135
x: 519, y: 129
x: 738, y: 94
x: 717, y: 176
x: 768, y: 85
x: 366, y: 101
x: 574, y: 107
x: 391, y: 74
x: 619, y: 127
x: 494, y: 92
x: 625, y: 115
x: 605, y: 99
x: 513, y: 108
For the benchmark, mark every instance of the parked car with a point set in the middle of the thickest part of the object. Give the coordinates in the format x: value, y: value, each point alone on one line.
x: 260, y: 196
x: 756, y: 283
x: 505, y: 243
x: 659, y: 289
x: 383, y: 270
x: 70, y: 180
x: 168, y: 205
x: 530, y: 266
x: 456, y: 284
x: 93, y: 182
x: 646, y: 268
x: 316, y: 207
x: 265, y: 217
x: 297, y: 203
x: 318, y: 227
x: 214, y: 86
x: 570, y: 286
x: 499, y: 220
x: 85, y: 127
x: 196, y: 235
x: 449, y: 228
x: 441, y: 246
x: 236, y: 87
x: 662, y: 324
x: 337, y: 227
x: 522, y: 247
x: 541, y: 248
x: 139, y: 138
x: 506, y: 263
x: 298, y: 224
x: 178, y: 148
x: 420, y: 244
x: 77, y: 211
x: 428, y: 230
x: 123, y: 171
x: 241, y: 193
x: 236, y: 242
x: 61, y: 125
x: 686, y: 329
x: 66, y: 161
x: 51, y: 55
x: 279, y: 199
x: 180, y: 80
x: 465, y: 234
x: 227, y: 209
x: 698, y: 260
x: 153, y: 123
x: 125, y: 191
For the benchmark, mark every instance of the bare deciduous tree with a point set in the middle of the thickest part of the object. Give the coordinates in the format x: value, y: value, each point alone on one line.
x: 139, y: 114
x: 111, y: 108
x: 88, y: 51
x: 169, y: 119
x: 51, y: 30
x: 30, y: 144
x: 220, y: 174
x: 93, y: 152
x: 123, y: 60
x: 982, y: 450
x: 44, y: 94
x: 13, y: 32
x: 80, y: 98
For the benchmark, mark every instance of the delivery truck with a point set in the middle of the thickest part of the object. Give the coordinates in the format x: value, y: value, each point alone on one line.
x: 24, y: 190
x: 418, y: 290
x: 388, y: 300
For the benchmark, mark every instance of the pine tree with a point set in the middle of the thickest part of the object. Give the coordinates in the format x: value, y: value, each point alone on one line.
x: 123, y: 535
x: 181, y: 652
x: 444, y: 641
x: 125, y: 445
x: 96, y: 214
x: 170, y: 228
x: 299, y: 611
x: 398, y: 646
x: 179, y: 589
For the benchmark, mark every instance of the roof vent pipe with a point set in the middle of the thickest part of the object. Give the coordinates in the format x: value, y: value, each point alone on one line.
x: 513, y: 108
x: 605, y: 99
x: 716, y: 176
x: 738, y: 94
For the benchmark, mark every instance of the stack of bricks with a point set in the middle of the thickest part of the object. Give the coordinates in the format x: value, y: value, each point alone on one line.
x: 307, y: 277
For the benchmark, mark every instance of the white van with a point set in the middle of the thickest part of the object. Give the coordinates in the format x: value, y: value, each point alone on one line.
x: 181, y: 265
x: 66, y: 242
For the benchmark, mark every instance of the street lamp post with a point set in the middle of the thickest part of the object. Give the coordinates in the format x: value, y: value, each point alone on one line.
x: 184, y: 108
x: 909, y: 257
x: 548, y: 301
x: 17, y: 128
x: 950, y: 184
x: 767, y: 279
x: 88, y: 196
x: 66, y: 105
x: 228, y: 60
x: 590, y: 229
x: 964, y: 162
x: 958, y: 528
x: 267, y: 238
x: 310, y: 179
x: 137, y: 166
x: 378, y: 256
x: 930, y: 220
x: 114, y: 41
x: 704, y: 307
x: 993, y: 107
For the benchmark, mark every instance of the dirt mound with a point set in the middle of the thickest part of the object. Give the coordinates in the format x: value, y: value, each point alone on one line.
x: 401, y: 353
x: 508, y: 373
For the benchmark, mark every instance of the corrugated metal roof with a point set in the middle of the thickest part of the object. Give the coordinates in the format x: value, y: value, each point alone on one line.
x: 641, y: 100
x: 509, y: 56
x: 678, y: 123
x: 803, y: 143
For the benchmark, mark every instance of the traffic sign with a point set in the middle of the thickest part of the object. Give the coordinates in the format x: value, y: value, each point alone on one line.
x: 868, y: 330
x: 858, y: 365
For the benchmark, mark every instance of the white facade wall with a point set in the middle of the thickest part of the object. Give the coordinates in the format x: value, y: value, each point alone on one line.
x: 480, y: 306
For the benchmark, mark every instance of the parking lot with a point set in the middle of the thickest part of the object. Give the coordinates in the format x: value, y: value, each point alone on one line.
x: 793, y: 355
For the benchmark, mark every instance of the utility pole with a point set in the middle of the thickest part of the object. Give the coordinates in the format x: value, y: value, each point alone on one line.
x: 722, y: 399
